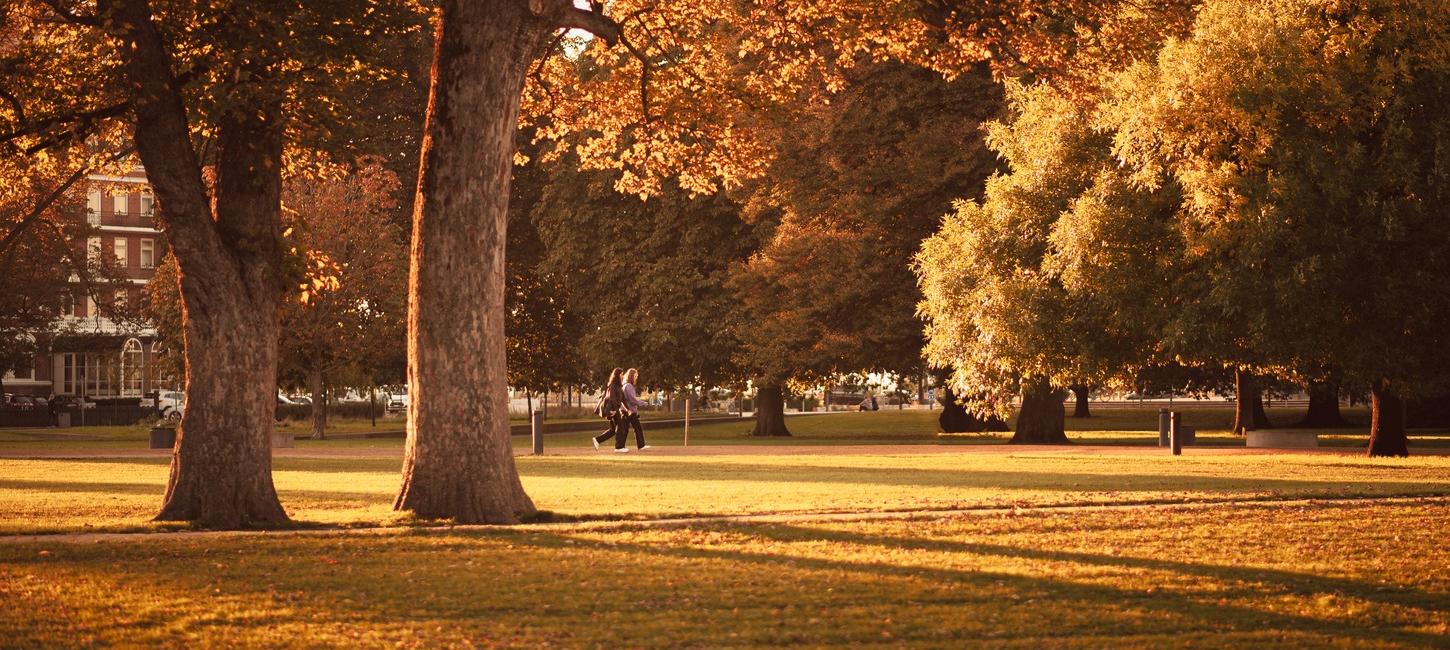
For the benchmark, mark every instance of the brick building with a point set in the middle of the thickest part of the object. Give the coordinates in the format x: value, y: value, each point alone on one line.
x: 94, y: 356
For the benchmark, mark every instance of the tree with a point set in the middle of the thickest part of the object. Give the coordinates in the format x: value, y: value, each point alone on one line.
x: 348, y: 311
x: 1005, y: 307
x: 212, y: 95
x: 857, y: 185
x: 458, y: 461
x: 1311, y: 166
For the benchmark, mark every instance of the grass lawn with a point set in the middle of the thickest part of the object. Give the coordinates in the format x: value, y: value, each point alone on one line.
x: 39, y: 495
x: 1267, y: 576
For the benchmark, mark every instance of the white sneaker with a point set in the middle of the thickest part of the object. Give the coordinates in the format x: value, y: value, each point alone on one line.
x: 622, y: 450
x: 646, y: 447
x: 596, y: 443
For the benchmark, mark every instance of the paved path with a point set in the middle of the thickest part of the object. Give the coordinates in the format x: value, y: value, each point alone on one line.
x: 687, y: 522
x: 751, y: 450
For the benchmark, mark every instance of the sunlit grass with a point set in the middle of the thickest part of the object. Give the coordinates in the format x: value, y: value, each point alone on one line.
x: 1348, y: 575
x: 121, y: 494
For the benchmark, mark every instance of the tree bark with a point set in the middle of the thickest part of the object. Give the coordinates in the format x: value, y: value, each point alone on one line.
x: 1323, y: 405
x: 1249, y: 411
x: 221, y: 469
x: 1041, y: 419
x: 769, y: 412
x: 458, y: 461
x: 1080, y: 392
x: 228, y: 256
x: 319, y: 407
x: 1387, y: 435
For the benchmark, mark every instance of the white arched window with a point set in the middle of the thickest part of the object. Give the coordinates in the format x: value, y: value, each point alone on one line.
x: 133, y: 368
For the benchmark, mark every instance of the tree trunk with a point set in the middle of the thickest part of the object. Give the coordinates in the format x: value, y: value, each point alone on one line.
x: 769, y: 412
x: 1261, y: 417
x: 319, y: 408
x: 458, y: 460
x: 1387, y: 422
x: 1249, y: 411
x: 1041, y: 419
x: 229, y: 257
x: 1323, y: 405
x: 1080, y: 392
x: 954, y: 417
x: 221, y: 469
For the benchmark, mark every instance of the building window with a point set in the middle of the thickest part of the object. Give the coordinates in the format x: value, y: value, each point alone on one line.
x: 93, y: 208
x: 67, y: 304
x: 91, y: 307
x: 132, y: 369
x: 123, y: 254
x: 93, y: 250
x: 148, y: 253
x: 148, y: 204
x: 118, y: 204
x: 121, y: 296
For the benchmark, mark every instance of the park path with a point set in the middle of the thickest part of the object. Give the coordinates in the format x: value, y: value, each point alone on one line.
x: 612, y: 525
x: 744, y: 450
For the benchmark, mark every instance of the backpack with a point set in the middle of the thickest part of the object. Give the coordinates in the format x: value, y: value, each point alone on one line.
x: 608, y: 404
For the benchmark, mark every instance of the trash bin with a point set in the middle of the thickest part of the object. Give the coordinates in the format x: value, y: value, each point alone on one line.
x: 62, y: 419
x: 163, y: 437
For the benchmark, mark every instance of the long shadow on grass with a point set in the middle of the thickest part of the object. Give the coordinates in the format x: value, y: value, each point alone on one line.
x: 965, y: 478
x: 1061, y: 593
x: 417, y: 579
x: 68, y: 487
x: 1302, y: 584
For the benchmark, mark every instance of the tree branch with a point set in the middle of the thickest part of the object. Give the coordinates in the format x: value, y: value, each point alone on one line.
x: 70, y: 16
x: 592, y: 21
x: 45, y: 203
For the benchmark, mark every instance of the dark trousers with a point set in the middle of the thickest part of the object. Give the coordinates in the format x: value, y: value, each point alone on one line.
x: 632, y: 420
x: 618, y: 429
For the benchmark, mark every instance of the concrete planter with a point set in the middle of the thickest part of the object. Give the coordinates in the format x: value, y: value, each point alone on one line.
x: 163, y: 437
x: 1271, y: 439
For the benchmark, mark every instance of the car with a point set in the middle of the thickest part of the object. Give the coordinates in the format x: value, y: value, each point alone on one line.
x: 171, y: 404
x: 19, y: 402
x: 301, y: 399
x: 397, y: 402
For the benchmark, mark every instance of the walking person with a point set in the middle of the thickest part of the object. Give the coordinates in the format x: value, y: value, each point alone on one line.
x: 631, y: 410
x: 611, y: 407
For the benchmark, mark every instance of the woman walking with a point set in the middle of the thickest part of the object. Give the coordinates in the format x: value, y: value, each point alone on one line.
x: 611, y: 407
x: 631, y: 410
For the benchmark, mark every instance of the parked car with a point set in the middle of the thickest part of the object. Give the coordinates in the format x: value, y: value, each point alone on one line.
x: 19, y: 402
x: 170, y: 404
x: 398, y: 402
x: 301, y: 399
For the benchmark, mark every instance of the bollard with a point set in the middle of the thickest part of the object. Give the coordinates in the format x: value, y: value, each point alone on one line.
x: 1163, y: 427
x: 1174, y: 440
x: 538, y: 431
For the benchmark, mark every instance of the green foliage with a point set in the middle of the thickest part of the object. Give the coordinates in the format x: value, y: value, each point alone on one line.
x: 857, y: 185
x: 646, y: 278
x: 1314, y: 168
x: 1011, y: 283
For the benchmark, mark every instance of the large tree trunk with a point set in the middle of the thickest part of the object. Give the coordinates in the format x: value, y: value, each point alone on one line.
x: 769, y: 412
x: 1248, y: 404
x: 1387, y: 422
x: 1323, y: 406
x: 1080, y: 409
x: 1041, y: 420
x: 319, y: 406
x: 458, y: 461
x: 221, y: 469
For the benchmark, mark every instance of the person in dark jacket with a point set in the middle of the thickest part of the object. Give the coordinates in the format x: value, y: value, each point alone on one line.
x: 612, y: 409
